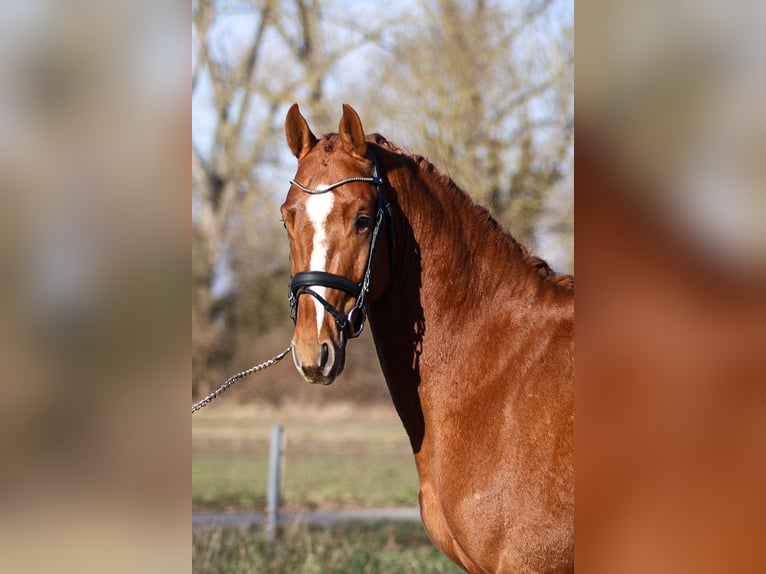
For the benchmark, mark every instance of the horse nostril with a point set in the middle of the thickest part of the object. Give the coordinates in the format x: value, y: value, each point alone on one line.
x: 324, y: 357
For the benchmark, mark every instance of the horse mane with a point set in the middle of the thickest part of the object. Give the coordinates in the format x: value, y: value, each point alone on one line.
x: 536, y: 264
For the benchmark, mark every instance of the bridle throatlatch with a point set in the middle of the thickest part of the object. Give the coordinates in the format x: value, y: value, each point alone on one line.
x: 303, y: 282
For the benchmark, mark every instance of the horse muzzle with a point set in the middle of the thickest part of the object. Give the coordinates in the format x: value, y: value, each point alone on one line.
x: 319, y: 362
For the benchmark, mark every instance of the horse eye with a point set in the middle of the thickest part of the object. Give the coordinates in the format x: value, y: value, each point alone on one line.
x: 362, y: 222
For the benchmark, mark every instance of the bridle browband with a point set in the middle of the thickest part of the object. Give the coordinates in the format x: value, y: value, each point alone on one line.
x: 303, y: 281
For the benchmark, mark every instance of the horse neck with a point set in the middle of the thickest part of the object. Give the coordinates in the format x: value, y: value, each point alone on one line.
x: 464, y: 259
x: 451, y: 265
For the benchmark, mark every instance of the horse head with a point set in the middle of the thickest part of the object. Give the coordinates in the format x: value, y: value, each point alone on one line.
x: 335, y: 214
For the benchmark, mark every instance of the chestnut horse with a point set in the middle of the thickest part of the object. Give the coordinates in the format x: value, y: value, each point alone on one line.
x: 473, y: 334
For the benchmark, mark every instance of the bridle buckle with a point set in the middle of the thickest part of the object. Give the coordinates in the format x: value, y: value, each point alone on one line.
x: 356, y: 318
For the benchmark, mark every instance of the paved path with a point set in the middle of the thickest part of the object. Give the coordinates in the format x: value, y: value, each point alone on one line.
x: 315, y: 518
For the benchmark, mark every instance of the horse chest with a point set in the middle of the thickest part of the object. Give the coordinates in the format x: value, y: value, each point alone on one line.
x: 440, y: 531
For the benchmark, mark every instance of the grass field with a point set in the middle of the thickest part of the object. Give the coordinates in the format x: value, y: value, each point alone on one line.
x: 336, y: 458
x: 381, y: 548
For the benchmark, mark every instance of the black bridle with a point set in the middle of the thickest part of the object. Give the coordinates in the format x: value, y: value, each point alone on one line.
x: 303, y: 282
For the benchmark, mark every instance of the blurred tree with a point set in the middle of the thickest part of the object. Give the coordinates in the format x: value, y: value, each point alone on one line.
x: 222, y: 173
x: 485, y: 90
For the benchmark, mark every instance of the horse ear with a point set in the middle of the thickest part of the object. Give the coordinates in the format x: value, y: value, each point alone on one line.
x: 299, y: 136
x: 352, y: 133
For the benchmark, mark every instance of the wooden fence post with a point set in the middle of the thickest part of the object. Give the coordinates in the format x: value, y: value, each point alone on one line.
x: 273, y: 495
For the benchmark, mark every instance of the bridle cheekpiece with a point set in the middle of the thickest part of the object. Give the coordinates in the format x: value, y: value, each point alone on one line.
x: 303, y: 281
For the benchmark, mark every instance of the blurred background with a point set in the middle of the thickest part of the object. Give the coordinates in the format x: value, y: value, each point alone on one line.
x: 94, y: 238
x: 671, y: 307
x: 482, y: 89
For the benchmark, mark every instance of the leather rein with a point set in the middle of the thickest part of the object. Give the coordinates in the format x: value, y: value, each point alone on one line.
x: 303, y: 281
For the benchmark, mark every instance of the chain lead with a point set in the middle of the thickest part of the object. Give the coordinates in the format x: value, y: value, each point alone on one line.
x: 266, y: 364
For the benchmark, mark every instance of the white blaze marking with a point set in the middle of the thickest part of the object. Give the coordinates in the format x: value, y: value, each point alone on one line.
x: 318, y: 207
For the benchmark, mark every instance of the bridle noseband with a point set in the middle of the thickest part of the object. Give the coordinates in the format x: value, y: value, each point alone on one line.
x: 303, y: 282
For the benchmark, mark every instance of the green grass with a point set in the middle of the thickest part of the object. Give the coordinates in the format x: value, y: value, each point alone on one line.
x: 335, y: 458
x: 379, y: 548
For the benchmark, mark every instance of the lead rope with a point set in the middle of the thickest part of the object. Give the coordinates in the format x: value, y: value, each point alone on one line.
x: 265, y: 365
